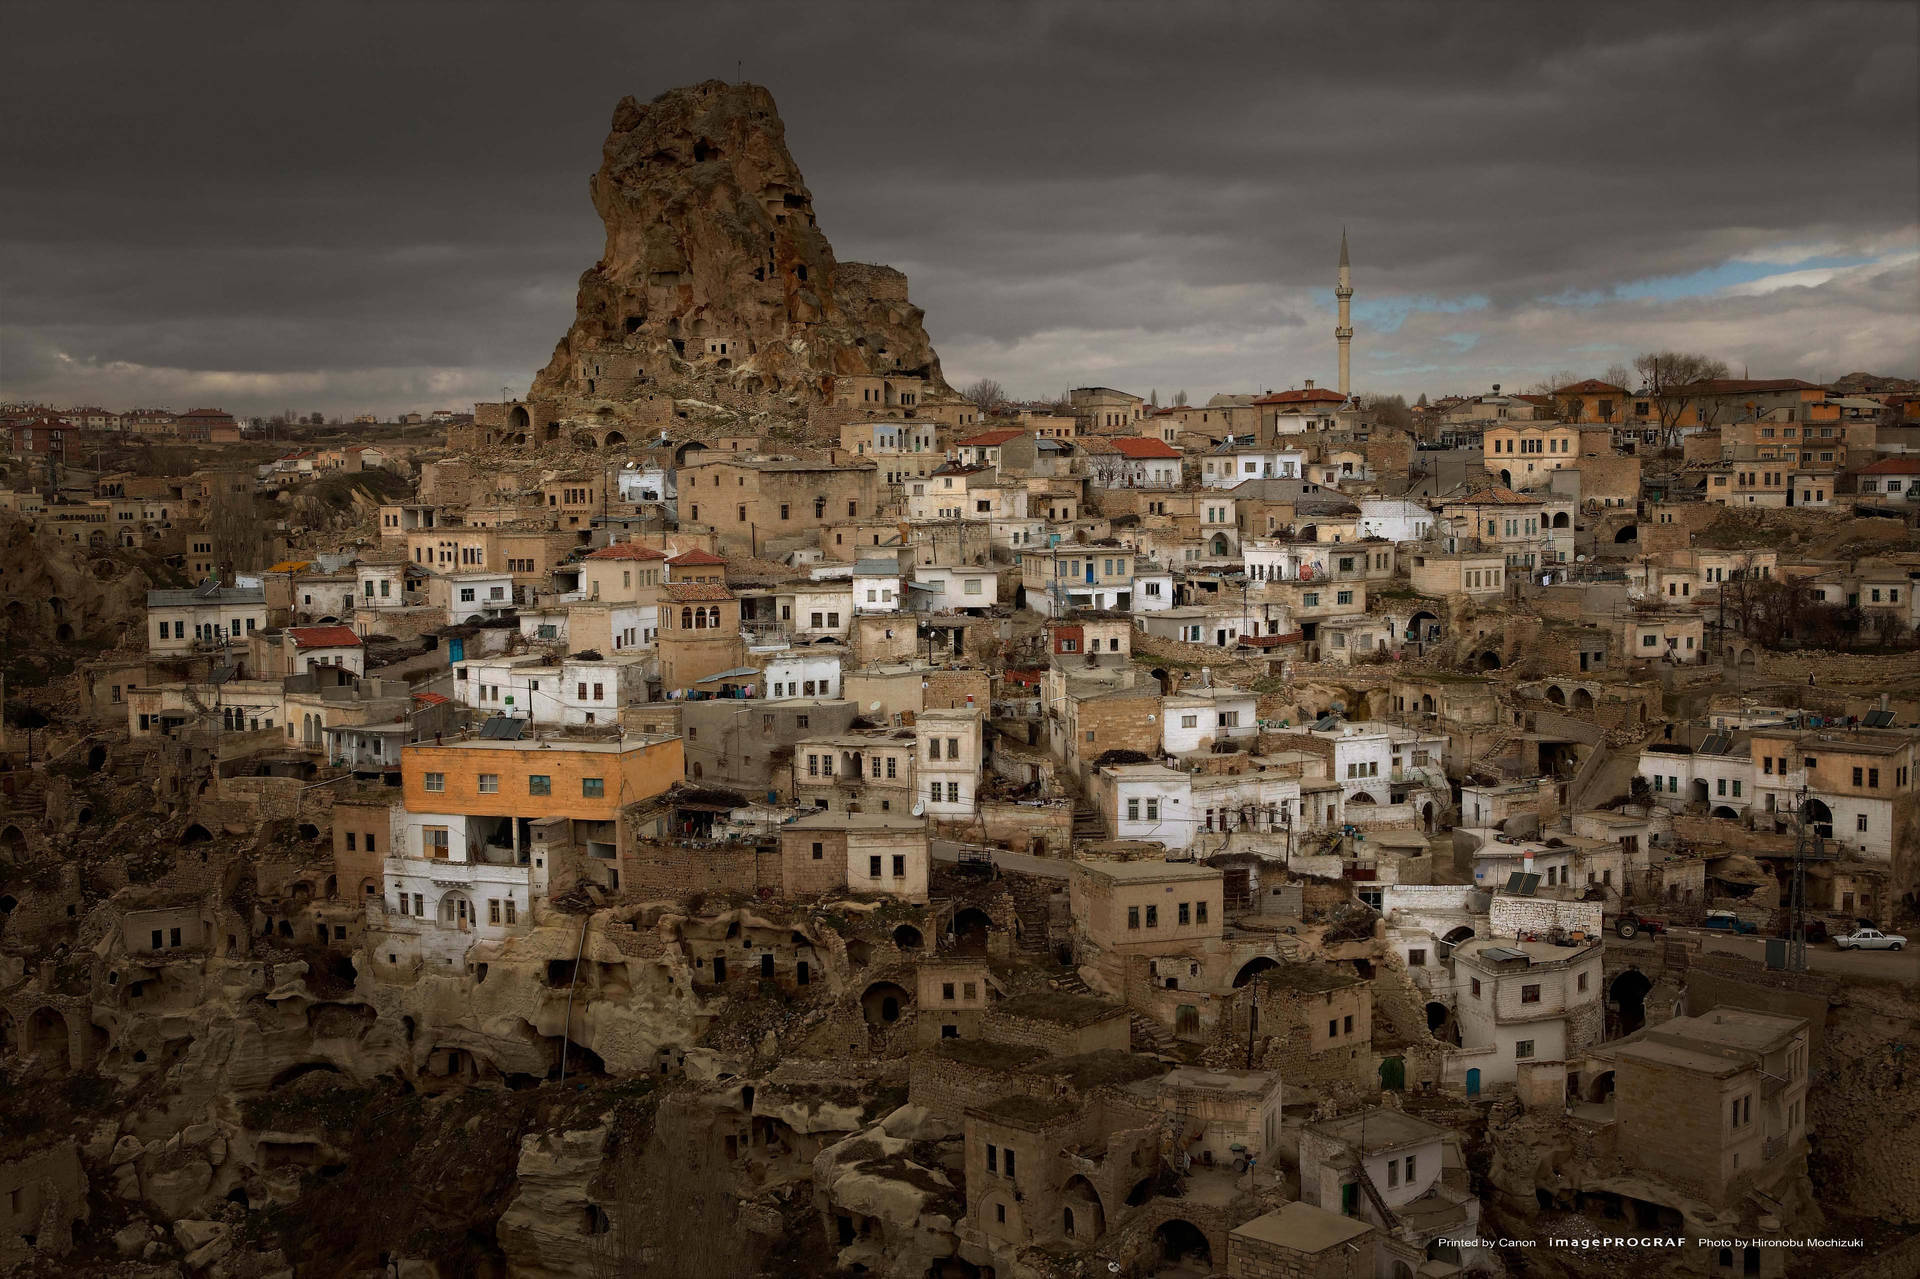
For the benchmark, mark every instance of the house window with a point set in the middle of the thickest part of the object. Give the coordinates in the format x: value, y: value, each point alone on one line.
x: 593, y: 788
x: 1153, y: 917
x: 1476, y: 988
x: 1523, y: 1049
x: 433, y: 782
x: 434, y: 842
x: 1184, y: 914
x: 1529, y: 994
x: 1133, y: 917
x: 539, y: 784
x: 489, y: 783
x: 1417, y: 957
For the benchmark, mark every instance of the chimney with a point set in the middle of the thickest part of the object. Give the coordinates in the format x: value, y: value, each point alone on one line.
x: 1309, y: 384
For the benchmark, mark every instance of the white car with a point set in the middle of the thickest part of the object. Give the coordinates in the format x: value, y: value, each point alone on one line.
x: 1869, y: 939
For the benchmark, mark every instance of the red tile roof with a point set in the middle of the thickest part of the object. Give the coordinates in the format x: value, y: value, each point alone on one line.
x: 1592, y: 386
x: 989, y: 439
x: 627, y: 551
x: 1894, y: 466
x: 696, y: 557
x: 1140, y: 450
x: 431, y: 699
x: 1311, y: 395
x: 323, y: 637
x: 1741, y: 385
x: 697, y: 592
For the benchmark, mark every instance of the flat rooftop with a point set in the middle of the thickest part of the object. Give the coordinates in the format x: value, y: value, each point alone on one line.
x: 1251, y: 1082
x: 1152, y: 872
x: 1718, y: 1042
x: 1505, y: 948
x: 1309, y: 979
x: 1059, y: 1008
x: 553, y: 741
x: 1376, y: 1130
x: 859, y: 821
x: 1303, y: 1228
x: 1021, y: 1111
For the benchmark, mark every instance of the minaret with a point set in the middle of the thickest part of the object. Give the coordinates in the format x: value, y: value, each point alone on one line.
x: 1344, y: 333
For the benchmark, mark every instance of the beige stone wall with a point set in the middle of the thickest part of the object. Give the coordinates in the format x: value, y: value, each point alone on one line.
x: 1057, y: 1039
x: 802, y: 874
x: 1258, y: 1259
x: 672, y: 870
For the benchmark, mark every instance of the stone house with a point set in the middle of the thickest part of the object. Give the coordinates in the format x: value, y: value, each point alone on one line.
x: 1398, y: 1173
x: 868, y: 853
x: 1715, y: 1105
x: 1300, y: 1241
x: 1523, y: 1001
x: 953, y: 995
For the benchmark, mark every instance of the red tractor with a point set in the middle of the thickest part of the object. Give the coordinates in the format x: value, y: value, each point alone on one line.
x: 1629, y: 925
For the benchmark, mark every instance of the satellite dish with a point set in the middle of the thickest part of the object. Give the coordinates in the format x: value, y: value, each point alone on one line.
x: 919, y: 808
x: 873, y: 706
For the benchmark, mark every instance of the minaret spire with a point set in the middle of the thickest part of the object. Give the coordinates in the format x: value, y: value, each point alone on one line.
x: 1343, y: 333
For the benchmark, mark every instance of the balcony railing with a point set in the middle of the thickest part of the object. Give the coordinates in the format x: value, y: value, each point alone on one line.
x: 1775, y: 1147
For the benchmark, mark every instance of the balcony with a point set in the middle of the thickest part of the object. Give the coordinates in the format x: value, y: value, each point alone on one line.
x: 1775, y: 1147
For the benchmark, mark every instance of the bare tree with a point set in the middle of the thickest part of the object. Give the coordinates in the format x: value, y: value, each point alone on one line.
x: 672, y: 1214
x: 984, y: 394
x: 1622, y: 376
x: 1388, y: 410
x: 1553, y: 382
x: 1672, y: 379
x: 1179, y: 400
x: 1110, y: 470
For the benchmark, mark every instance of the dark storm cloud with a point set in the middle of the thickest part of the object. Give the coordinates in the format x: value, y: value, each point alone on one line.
x: 354, y: 206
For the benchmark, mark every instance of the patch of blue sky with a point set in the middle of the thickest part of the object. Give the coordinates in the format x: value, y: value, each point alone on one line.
x: 1709, y: 280
x: 1386, y: 315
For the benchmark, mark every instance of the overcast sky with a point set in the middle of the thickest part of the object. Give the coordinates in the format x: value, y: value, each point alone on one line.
x: 359, y: 207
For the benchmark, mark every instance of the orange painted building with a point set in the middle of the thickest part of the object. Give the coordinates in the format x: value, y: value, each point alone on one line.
x: 586, y: 779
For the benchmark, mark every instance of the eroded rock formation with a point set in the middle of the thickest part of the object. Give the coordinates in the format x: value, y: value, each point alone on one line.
x: 716, y: 286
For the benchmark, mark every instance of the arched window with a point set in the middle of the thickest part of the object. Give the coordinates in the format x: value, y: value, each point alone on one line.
x: 819, y: 507
x: 713, y: 617
x: 686, y: 619
x: 700, y: 619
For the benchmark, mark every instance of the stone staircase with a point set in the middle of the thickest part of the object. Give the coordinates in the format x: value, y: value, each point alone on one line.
x: 1144, y: 1033
x: 1489, y: 758
x: 1087, y: 826
x: 1033, y: 907
x: 1147, y: 1035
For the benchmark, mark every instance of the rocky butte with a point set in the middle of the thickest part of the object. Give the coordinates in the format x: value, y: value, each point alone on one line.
x: 718, y: 292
